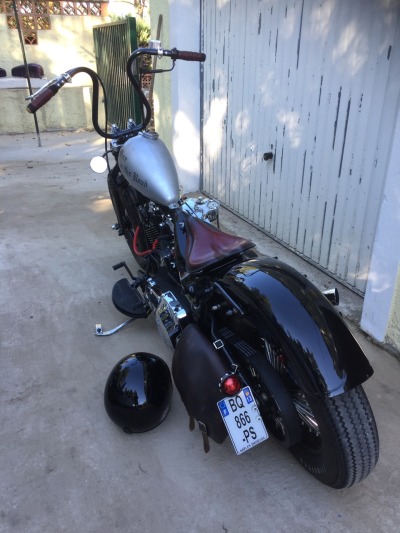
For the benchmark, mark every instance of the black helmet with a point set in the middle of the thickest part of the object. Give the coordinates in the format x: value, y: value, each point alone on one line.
x: 138, y: 392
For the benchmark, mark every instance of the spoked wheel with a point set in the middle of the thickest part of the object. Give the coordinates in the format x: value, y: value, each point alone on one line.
x: 339, y: 443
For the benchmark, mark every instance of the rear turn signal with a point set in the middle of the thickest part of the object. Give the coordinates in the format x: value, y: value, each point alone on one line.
x: 230, y: 385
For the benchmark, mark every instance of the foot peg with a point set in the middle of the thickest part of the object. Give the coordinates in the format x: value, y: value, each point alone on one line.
x: 127, y: 299
x: 99, y: 329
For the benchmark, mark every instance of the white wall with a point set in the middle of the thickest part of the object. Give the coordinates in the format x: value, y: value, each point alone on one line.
x: 69, y: 43
x: 162, y: 83
x: 183, y: 33
x: 71, y: 109
x: 384, y: 280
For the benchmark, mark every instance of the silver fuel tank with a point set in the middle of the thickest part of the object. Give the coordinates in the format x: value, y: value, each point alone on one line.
x: 148, y: 166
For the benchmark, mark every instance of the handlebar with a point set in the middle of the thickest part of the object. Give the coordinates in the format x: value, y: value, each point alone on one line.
x: 185, y: 55
x: 42, y: 99
x: 174, y: 54
x: 45, y: 93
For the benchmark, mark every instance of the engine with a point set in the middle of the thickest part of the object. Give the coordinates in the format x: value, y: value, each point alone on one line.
x: 171, y: 308
x: 157, y: 223
x: 202, y: 208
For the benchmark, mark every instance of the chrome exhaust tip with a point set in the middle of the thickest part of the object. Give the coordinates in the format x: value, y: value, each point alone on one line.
x: 332, y: 295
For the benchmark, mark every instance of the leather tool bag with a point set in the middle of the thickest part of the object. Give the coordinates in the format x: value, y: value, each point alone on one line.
x: 197, y: 369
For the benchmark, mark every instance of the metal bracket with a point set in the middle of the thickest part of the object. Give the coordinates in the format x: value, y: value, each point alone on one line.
x: 218, y: 344
x: 100, y: 333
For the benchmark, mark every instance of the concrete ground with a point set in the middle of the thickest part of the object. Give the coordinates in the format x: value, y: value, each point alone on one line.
x: 64, y: 466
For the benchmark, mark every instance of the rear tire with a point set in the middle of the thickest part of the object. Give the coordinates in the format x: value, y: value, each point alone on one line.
x: 345, y: 448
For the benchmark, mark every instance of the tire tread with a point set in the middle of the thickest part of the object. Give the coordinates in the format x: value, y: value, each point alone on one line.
x: 357, y: 436
x: 349, y: 444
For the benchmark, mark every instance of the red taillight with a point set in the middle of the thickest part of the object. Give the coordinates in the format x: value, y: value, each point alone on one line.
x: 231, y: 385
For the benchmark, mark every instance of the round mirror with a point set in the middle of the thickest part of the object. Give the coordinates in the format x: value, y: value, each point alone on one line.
x: 98, y: 164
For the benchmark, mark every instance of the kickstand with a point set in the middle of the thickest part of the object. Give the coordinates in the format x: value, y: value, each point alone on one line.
x: 99, y: 330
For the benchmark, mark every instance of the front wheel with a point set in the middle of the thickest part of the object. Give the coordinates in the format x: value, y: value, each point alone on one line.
x: 340, y: 444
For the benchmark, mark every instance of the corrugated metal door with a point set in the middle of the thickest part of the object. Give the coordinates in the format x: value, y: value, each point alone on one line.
x: 113, y: 44
x: 317, y: 84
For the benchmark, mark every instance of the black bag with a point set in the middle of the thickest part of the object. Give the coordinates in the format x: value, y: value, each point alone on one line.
x: 197, y: 369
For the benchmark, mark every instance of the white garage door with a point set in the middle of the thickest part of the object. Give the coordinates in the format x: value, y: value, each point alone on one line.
x: 316, y: 83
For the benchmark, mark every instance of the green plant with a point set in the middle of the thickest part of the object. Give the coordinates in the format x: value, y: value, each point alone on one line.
x: 143, y: 32
x: 142, y: 28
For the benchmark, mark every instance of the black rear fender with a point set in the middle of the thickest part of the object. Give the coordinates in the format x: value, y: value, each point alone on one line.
x: 283, y: 307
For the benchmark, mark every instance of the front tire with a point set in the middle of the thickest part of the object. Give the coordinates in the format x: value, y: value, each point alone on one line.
x: 341, y: 447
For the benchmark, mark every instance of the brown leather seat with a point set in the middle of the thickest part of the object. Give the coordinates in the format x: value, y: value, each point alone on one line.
x: 206, y: 245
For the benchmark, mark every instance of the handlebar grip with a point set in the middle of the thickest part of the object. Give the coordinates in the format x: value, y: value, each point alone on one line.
x: 42, y: 98
x: 189, y: 56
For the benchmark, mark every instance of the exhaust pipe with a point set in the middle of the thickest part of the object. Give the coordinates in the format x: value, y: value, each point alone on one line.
x: 332, y: 295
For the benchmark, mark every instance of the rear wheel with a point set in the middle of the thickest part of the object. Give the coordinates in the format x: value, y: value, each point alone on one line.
x: 335, y: 439
x: 340, y: 444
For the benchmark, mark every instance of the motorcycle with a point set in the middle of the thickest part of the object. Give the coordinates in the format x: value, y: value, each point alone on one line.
x: 258, y: 349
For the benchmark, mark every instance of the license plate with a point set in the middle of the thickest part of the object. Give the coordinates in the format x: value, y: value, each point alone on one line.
x: 242, y: 420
